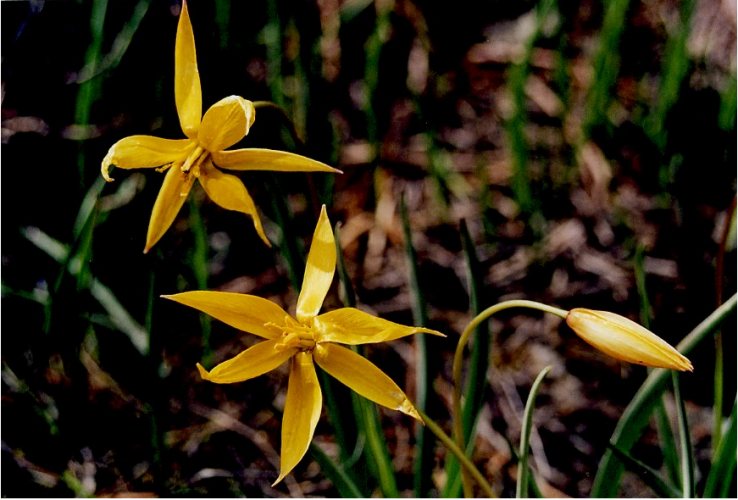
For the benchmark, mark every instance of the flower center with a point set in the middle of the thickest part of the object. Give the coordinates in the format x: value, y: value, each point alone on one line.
x: 194, y: 160
x: 295, y: 335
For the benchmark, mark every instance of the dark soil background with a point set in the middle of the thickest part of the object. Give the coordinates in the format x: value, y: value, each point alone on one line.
x: 584, y: 155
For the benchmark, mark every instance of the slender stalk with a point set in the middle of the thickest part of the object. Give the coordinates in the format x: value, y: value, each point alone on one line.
x: 717, y: 409
x: 687, y: 460
x: 466, y: 464
x: 666, y: 436
x: 458, y: 431
x: 199, y: 264
x: 521, y: 489
x: 287, y: 121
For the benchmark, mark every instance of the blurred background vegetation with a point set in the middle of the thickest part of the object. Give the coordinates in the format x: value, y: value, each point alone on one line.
x: 589, y: 147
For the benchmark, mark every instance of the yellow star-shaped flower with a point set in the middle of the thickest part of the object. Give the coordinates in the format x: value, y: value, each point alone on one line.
x: 307, y: 339
x: 203, y: 153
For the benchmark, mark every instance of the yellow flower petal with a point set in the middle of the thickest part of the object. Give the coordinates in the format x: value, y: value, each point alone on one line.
x: 172, y: 196
x: 321, y: 264
x: 624, y: 339
x: 254, y: 361
x: 362, y: 376
x: 352, y: 326
x: 187, y: 93
x: 301, y: 412
x: 225, y: 123
x: 268, y: 159
x: 245, y: 312
x: 144, y: 151
x: 229, y: 192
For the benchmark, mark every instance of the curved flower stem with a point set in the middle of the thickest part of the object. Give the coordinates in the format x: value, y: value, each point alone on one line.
x: 466, y: 464
x: 458, y: 431
x: 285, y: 118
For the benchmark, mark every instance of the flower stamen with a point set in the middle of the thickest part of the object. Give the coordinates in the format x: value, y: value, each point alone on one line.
x: 195, y: 159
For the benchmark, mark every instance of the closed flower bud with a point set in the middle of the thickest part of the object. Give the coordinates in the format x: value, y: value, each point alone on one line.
x: 625, y: 340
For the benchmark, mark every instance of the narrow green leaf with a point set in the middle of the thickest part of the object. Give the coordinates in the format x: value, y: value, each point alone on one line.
x: 289, y: 247
x: 666, y: 435
x: 199, y: 264
x: 364, y: 432
x: 336, y: 473
x: 722, y: 472
x: 649, y: 476
x: 118, y: 314
x: 378, y: 459
x: 348, y: 295
x: 635, y: 417
x: 423, y: 465
x: 521, y: 489
x: 478, y: 364
x: 685, y: 444
x: 517, y: 80
x: 606, y: 65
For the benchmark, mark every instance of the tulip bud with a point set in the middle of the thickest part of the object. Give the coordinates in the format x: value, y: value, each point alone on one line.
x: 624, y: 339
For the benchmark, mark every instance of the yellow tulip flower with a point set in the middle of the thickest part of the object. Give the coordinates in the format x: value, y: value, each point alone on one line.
x: 203, y: 153
x: 624, y: 339
x: 303, y: 340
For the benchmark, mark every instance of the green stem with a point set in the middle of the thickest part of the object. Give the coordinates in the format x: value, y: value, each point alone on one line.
x: 200, y: 270
x: 467, y: 464
x: 458, y: 431
x: 521, y: 489
x: 687, y: 461
x: 717, y: 410
x: 285, y: 118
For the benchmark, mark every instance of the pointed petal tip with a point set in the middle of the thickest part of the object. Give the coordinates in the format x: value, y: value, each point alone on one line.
x: 408, y: 409
x: 279, y: 479
x: 105, y: 168
x: 430, y: 332
x: 203, y: 372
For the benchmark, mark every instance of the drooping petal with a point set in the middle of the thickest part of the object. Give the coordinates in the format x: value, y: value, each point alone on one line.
x: 225, y: 123
x: 187, y: 93
x: 245, y: 312
x: 229, y: 192
x: 319, y: 269
x: 301, y: 412
x: 144, y: 151
x: 268, y: 159
x: 172, y: 196
x: 254, y: 361
x: 624, y: 339
x: 363, y: 376
x: 352, y: 326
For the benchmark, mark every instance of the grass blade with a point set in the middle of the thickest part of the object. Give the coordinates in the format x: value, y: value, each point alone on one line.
x: 289, y: 247
x: 687, y: 458
x: 722, y: 472
x: 336, y: 473
x: 117, y: 313
x: 521, y: 489
x: 478, y: 364
x: 647, y: 474
x: 674, y: 70
x: 636, y: 415
x: 423, y: 465
x: 516, y: 124
x: 666, y: 435
x: 379, y: 462
x: 606, y: 65
x: 199, y: 263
